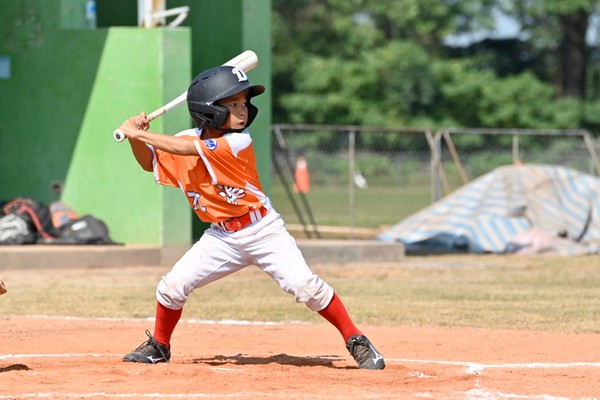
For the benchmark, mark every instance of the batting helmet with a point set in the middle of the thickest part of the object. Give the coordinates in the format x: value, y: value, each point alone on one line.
x: 216, y: 84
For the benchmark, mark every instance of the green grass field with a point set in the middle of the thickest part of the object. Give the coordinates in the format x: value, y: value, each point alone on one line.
x: 539, y: 293
x: 375, y: 207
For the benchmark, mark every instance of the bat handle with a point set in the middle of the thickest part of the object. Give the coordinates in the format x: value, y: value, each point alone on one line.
x: 119, y: 135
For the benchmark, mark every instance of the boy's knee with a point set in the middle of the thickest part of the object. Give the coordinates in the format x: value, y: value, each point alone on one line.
x: 314, y: 292
x: 170, y: 296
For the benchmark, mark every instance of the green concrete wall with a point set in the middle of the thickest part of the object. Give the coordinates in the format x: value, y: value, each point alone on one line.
x: 71, y: 86
x: 43, y: 103
x: 140, y: 69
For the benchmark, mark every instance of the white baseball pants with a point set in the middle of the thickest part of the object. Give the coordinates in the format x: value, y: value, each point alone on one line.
x: 266, y: 244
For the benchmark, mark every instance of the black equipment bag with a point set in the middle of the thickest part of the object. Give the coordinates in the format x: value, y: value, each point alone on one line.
x: 85, y: 230
x: 25, y: 221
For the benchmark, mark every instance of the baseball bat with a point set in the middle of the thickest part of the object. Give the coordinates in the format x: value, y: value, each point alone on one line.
x: 246, y: 61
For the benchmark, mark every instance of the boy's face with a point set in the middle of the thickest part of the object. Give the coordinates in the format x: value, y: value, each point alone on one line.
x: 238, y: 110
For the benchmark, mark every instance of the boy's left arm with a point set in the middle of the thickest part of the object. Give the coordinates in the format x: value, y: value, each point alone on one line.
x: 136, y: 128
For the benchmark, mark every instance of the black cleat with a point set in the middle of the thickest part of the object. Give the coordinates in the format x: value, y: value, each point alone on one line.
x: 149, y: 352
x: 364, y: 353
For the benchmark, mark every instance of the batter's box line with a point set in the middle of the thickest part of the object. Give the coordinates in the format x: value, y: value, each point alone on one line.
x: 191, y: 321
x: 477, y: 368
x: 20, y: 356
x: 185, y: 396
x: 471, y: 367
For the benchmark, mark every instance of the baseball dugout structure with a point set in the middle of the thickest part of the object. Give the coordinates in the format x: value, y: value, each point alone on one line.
x: 365, y: 179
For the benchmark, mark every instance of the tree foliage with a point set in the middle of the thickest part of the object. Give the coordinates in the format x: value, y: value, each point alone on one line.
x: 387, y: 63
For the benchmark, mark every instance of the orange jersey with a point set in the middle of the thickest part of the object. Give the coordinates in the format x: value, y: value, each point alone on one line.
x: 221, y: 182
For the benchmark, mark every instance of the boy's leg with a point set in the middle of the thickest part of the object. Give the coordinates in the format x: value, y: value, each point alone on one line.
x: 359, y: 346
x: 208, y: 260
x: 337, y: 315
x: 157, y: 348
x: 165, y: 323
x: 275, y: 251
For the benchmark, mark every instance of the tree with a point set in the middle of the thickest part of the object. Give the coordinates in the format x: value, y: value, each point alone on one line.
x: 386, y: 63
x: 359, y: 61
x: 559, y: 29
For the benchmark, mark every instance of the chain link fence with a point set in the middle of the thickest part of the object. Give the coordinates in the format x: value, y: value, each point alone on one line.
x: 359, y: 181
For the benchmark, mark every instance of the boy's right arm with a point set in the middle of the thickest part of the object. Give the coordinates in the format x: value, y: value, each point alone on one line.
x: 143, y: 154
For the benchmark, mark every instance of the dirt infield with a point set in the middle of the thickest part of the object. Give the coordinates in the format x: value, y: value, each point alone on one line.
x: 54, y: 357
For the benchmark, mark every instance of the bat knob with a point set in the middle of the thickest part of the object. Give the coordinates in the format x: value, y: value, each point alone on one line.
x: 119, y: 135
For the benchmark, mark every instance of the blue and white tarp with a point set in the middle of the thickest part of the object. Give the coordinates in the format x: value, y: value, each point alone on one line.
x: 510, y: 209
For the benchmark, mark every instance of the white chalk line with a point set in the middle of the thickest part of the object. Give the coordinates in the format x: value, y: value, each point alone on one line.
x: 474, y: 368
x: 478, y: 393
x: 249, y: 395
x: 67, y: 355
x: 151, y: 319
x: 470, y: 368
x: 475, y: 394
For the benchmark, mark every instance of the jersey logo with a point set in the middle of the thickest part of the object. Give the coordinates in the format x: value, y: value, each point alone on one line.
x: 241, y: 75
x: 231, y: 194
x: 211, y: 144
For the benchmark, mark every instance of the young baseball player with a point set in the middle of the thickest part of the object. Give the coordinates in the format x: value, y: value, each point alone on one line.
x: 215, y: 167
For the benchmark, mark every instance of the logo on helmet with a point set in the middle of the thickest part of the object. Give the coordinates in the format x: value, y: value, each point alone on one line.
x: 241, y: 75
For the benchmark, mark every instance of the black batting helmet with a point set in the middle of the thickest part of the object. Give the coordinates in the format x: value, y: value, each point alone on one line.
x: 216, y: 84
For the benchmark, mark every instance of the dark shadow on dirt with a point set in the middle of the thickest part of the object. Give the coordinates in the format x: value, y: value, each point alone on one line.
x: 283, y: 359
x: 14, y: 367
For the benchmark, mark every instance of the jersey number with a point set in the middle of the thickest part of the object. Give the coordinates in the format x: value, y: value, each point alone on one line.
x: 196, y: 203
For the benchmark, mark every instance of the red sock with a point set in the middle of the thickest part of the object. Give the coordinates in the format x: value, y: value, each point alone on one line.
x: 166, y: 320
x: 336, y: 313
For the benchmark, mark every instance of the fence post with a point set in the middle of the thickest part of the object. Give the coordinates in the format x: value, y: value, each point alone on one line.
x: 351, y: 173
x: 515, y: 149
x: 436, y: 184
x: 589, y: 142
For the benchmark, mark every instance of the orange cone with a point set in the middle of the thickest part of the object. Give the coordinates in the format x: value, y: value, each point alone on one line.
x: 302, y: 184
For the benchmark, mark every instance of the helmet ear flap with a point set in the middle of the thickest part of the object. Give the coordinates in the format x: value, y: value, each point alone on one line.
x: 209, y: 116
x: 252, y: 112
